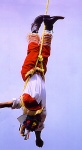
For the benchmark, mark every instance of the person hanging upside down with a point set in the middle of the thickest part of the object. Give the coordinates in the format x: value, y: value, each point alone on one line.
x: 33, y: 100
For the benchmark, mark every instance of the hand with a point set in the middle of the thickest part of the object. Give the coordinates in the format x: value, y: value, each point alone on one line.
x: 39, y: 142
x: 22, y: 130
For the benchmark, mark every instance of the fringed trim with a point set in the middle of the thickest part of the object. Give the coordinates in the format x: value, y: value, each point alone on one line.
x: 33, y: 37
x: 32, y: 71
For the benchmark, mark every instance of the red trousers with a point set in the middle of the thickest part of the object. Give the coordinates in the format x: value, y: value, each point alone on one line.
x: 32, y: 55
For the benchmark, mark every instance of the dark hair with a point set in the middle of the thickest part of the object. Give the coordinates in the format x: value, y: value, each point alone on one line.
x: 32, y: 122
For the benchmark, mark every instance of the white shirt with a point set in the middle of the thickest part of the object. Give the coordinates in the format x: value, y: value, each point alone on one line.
x: 36, y: 89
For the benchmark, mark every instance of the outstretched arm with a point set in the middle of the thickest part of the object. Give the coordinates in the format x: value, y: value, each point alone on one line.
x: 6, y: 104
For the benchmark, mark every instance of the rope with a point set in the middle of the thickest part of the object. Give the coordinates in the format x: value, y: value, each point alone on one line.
x: 40, y: 58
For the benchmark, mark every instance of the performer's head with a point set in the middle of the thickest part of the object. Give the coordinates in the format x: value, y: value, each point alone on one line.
x: 32, y: 121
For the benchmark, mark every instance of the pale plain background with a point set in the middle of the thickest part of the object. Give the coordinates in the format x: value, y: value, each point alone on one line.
x: 63, y: 126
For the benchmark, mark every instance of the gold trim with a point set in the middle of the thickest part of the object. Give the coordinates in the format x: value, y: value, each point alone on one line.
x: 29, y: 112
